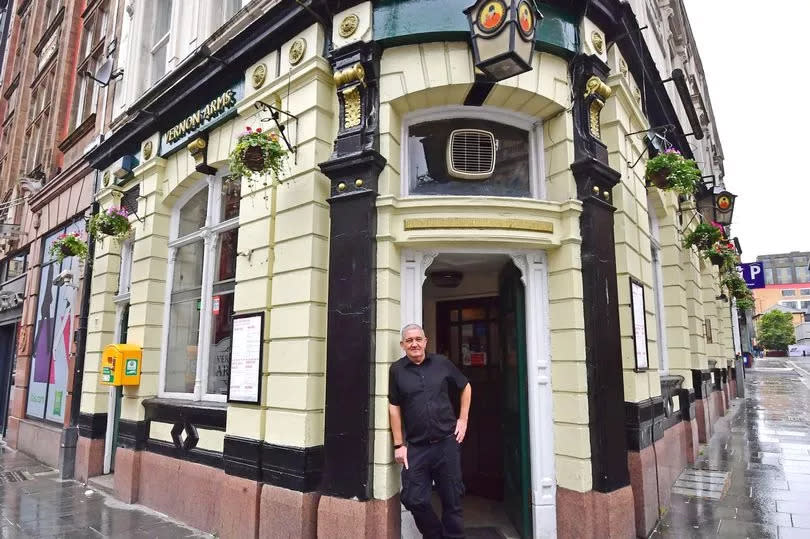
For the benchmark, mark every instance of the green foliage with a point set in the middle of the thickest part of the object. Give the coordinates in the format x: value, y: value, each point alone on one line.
x: 110, y: 222
x: 775, y: 330
x: 682, y: 175
x: 746, y: 303
x: 704, y: 236
x: 735, y: 285
x: 725, y: 253
x: 67, y: 245
x: 273, y: 152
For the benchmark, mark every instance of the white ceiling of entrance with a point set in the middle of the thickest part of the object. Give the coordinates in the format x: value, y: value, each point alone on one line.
x: 468, y: 262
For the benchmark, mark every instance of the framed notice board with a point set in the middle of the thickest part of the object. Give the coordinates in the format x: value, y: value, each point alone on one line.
x: 245, y: 380
x: 638, y: 310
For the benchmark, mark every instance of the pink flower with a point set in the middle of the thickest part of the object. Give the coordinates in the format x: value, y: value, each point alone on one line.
x: 259, y: 130
x: 248, y: 129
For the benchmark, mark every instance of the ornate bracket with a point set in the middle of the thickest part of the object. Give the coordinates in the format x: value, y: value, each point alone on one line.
x: 198, y: 148
x: 596, y: 93
x: 274, y: 116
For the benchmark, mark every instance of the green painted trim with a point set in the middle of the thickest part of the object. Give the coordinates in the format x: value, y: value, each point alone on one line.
x: 408, y: 22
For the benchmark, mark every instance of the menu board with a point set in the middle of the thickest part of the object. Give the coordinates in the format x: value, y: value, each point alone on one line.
x: 639, y: 324
x: 246, y: 358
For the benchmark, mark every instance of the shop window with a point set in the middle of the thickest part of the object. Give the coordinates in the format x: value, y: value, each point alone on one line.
x: 202, y: 275
x: 13, y: 266
x: 468, y: 156
x: 54, y: 328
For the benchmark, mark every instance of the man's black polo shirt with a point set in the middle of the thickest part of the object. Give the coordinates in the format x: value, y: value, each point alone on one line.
x: 421, y: 393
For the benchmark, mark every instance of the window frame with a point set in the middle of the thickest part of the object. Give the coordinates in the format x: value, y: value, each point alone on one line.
x: 156, y: 42
x: 209, y: 234
x: 533, y: 127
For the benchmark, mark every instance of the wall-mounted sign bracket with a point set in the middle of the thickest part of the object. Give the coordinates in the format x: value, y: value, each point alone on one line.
x: 274, y: 116
x: 655, y: 139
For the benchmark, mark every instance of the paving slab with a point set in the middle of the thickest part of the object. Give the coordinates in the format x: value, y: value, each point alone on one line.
x: 763, y: 444
x: 35, y: 502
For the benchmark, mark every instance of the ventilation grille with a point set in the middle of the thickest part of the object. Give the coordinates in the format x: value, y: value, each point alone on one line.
x: 471, y: 154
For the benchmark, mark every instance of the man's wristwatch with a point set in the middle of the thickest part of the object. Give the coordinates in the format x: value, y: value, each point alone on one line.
x: 397, y: 446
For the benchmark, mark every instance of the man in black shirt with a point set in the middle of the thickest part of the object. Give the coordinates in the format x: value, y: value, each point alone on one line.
x: 429, y: 449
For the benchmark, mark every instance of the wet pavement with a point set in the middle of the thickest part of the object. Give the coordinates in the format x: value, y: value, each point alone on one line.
x: 34, y: 502
x: 763, y: 442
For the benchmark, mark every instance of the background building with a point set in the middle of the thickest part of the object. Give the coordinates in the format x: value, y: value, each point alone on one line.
x: 787, y: 282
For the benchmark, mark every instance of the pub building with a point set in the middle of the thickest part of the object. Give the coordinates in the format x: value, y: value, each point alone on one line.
x: 477, y: 169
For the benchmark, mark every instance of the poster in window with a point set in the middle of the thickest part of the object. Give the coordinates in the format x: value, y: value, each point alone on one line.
x: 638, y: 310
x: 246, y: 358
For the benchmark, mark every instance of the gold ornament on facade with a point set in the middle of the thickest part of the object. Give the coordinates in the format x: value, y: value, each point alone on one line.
x: 348, y: 25
x: 596, y: 86
x: 341, y: 186
x: 353, y: 73
x: 297, y: 50
x: 197, y: 150
x: 597, y: 41
x: 358, y: 182
x: 147, y: 150
x: 526, y: 225
x: 351, y: 107
x: 105, y: 179
x: 259, y: 75
x: 599, y: 91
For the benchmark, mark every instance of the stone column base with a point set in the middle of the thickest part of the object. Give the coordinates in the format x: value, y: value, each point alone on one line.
x: 89, y: 458
x: 288, y: 513
x: 595, y: 515
x: 373, y: 519
x: 127, y: 477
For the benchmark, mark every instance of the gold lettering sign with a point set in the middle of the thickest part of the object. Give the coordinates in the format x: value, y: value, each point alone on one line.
x: 205, y: 114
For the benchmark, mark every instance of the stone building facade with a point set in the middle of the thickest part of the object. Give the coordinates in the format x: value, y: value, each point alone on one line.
x: 599, y: 353
x: 54, y: 113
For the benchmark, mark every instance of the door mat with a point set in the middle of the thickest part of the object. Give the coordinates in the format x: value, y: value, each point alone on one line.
x: 485, y: 532
x: 702, y: 483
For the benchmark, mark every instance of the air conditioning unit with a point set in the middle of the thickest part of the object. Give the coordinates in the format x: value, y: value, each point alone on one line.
x: 471, y: 154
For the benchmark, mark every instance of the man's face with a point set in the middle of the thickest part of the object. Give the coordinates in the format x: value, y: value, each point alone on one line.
x: 414, y: 344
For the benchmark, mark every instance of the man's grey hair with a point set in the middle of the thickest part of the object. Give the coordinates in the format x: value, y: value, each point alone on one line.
x: 408, y: 328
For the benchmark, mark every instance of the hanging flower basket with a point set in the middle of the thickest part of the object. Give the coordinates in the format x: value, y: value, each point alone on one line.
x: 67, y: 245
x: 257, y: 153
x: 112, y: 222
x: 704, y: 236
x: 723, y: 255
x: 670, y: 171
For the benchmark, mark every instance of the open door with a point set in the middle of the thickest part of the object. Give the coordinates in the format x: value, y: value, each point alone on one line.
x: 515, y: 414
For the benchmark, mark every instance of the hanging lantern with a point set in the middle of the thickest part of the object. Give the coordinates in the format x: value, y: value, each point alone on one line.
x: 502, y: 33
x: 716, y: 204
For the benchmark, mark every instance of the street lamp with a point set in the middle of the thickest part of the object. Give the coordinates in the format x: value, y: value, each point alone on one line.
x: 502, y: 34
x: 716, y: 204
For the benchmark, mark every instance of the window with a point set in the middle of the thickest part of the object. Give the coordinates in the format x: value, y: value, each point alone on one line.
x: 13, y: 266
x: 788, y: 292
x: 784, y: 276
x: 768, y: 276
x: 159, y: 44
x: 804, y: 292
x: 799, y: 260
x: 91, y: 52
x: 21, y: 42
x: 202, y: 272
x: 802, y: 274
x: 230, y: 7
x: 791, y: 304
x: 11, y: 106
x: 121, y: 299
x: 708, y: 327
x: 455, y: 154
x: 52, y: 7
x: 805, y: 305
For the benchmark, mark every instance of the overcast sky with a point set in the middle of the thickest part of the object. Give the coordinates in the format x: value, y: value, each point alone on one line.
x: 754, y: 56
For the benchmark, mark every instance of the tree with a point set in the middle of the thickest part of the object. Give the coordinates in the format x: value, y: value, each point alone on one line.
x: 776, y: 330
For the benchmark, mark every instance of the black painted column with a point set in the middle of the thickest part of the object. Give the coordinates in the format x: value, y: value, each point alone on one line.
x: 595, y: 180
x: 353, y: 170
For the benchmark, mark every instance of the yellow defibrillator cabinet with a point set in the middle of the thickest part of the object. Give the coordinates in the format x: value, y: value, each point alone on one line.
x: 121, y: 365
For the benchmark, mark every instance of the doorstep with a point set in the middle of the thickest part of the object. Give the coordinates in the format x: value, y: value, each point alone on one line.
x: 104, y: 483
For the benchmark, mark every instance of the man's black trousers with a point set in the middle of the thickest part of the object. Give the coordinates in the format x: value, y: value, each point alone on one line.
x: 439, y: 462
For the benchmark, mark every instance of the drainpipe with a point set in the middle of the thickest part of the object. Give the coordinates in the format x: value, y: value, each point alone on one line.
x: 70, y: 435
